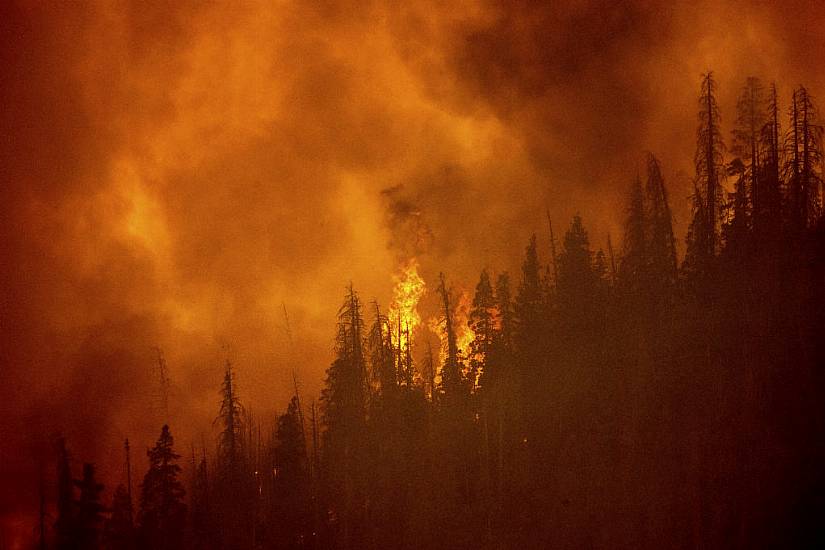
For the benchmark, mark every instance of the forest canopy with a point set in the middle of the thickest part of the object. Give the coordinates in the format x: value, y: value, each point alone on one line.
x: 621, y: 397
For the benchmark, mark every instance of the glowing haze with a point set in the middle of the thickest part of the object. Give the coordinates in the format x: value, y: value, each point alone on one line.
x: 182, y: 174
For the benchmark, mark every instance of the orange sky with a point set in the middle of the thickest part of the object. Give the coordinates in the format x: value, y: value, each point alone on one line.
x: 174, y: 173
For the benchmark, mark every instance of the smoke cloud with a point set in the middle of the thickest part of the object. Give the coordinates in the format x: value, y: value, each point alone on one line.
x: 181, y: 174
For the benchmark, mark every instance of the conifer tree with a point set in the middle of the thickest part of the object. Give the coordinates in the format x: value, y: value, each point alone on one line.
x: 504, y: 304
x: 751, y: 117
x: 200, y: 507
x: 768, y: 208
x: 454, y: 431
x: 162, y: 517
x: 648, y: 264
x: 234, y: 480
x: 343, y: 407
x: 291, y: 488
x: 382, y: 354
x: 482, y: 321
x: 529, y: 318
x: 696, y: 248
x: 452, y: 375
x: 497, y: 375
x: 119, y: 531
x: 344, y: 397
x: 89, y: 509
x: 529, y: 303
x: 634, y: 260
x: 803, y: 167
x: 710, y: 173
x: 290, y: 454
x: 527, y: 399
x: 738, y: 222
x: 577, y: 279
x: 660, y: 239
x: 65, y: 524
x: 230, y: 417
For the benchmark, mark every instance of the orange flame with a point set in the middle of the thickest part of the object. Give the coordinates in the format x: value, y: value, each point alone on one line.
x: 408, y: 290
x: 464, y: 334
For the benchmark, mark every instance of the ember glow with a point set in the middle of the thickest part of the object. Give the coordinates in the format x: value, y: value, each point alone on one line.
x: 208, y: 178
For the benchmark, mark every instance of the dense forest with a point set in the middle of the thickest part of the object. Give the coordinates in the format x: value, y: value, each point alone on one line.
x: 597, y: 399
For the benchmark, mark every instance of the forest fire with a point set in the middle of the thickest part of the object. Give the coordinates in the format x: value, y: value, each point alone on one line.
x: 407, y: 292
x: 463, y: 333
x: 435, y: 325
x: 453, y: 322
x: 336, y: 219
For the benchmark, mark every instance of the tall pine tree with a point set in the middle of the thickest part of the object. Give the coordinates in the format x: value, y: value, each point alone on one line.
x: 162, y: 517
x: 66, y: 522
x: 803, y: 165
x: 703, y: 237
x: 344, y: 408
x: 89, y: 509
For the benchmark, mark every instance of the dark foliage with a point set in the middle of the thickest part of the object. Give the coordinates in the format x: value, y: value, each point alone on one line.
x: 624, y: 402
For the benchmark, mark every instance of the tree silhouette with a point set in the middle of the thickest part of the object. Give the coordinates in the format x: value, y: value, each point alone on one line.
x: 636, y: 405
x: 119, y: 530
x: 89, y: 509
x: 66, y: 522
x: 577, y: 278
x: 200, y: 506
x: 482, y: 321
x: 803, y: 166
x: 634, y: 253
x: 751, y: 118
x: 292, y: 513
x: 660, y: 237
x: 343, y: 406
x: 530, y: 324
x: 710, y: 172
x: 234, y: 479
x: 230, y: 443
x: 453, y: 382
x: 768, y: 207
x: 162, y: 516
x: 383, y: 355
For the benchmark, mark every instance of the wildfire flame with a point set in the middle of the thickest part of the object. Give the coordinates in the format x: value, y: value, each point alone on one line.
x: 464, y: 334
x: 408, y: 290
x: 436, y: 326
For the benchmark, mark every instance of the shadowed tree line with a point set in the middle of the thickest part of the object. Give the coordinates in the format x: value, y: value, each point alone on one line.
x: 618, y: 399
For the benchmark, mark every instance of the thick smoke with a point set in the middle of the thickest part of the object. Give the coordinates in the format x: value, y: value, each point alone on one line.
x: 175, y: 174
x: 410, y: 236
